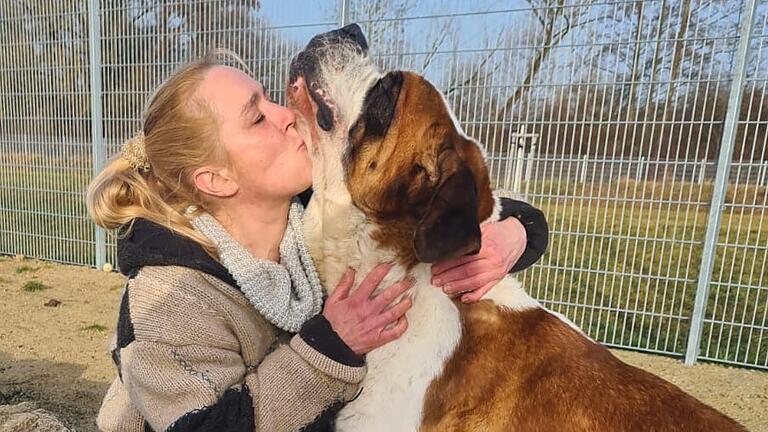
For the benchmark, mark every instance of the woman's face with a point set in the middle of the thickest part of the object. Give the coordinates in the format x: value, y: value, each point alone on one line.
x: 268, y: 158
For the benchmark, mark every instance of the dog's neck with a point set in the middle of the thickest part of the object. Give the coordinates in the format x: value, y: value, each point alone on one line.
x: 338, y: 234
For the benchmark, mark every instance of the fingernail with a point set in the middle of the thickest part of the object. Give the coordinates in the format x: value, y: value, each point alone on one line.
x: 437, y: 281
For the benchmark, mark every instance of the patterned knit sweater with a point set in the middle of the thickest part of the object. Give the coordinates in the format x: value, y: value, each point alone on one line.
x: 193, y: 354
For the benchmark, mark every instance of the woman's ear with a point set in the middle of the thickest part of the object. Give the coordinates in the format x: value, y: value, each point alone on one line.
x: 216, y: 182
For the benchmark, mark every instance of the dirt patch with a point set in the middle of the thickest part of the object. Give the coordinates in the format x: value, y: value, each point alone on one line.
x: 57, y: 355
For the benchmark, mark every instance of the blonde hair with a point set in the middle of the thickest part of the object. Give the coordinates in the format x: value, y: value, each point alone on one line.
x: 180, y: 134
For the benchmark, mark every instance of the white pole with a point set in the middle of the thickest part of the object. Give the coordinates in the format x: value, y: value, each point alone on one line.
x: 508, y: 157
x: 519, y: 160
x: 763, y: 176
x: 529, y: 169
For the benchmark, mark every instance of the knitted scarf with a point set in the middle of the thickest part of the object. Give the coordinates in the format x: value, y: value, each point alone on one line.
x: 286, y: 293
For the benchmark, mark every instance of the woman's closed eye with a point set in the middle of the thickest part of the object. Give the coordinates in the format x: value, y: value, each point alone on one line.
x: 259, y: 118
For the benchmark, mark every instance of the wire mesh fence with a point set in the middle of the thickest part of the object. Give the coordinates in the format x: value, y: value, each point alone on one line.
x: 610, y: 116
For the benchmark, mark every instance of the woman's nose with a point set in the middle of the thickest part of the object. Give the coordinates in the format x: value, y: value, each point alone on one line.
x: 283, y: 117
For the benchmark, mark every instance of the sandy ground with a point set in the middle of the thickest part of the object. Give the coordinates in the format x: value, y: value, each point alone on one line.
x: 57, y: 356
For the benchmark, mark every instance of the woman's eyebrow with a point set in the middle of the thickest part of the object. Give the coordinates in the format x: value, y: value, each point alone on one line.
x: 252, y: 103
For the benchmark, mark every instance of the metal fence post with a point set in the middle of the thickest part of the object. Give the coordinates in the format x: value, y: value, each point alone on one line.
x: 98, y: 153
x: 343, y: 12
x: 721, y: 181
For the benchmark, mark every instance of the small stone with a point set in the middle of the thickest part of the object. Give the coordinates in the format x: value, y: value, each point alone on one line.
x: 107, y: 267
x: 52, y: 303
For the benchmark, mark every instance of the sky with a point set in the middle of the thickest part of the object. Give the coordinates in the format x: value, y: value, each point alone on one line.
x: 296, y: 12
x: 474, y: 29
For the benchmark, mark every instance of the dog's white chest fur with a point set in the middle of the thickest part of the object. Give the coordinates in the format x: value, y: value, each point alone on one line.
x: 400, y: 372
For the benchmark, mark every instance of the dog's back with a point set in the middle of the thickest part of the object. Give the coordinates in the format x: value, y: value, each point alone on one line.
x: 528, y: 370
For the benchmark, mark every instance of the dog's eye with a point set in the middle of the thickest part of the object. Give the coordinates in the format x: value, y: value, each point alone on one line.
x: 372, y: 166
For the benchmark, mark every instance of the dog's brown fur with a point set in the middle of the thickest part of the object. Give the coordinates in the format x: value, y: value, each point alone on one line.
x: 529, y: 371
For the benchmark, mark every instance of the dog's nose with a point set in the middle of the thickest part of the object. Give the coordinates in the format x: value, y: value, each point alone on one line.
x: 355, y: 33
x: 295, y: 85
x: 297, y: 94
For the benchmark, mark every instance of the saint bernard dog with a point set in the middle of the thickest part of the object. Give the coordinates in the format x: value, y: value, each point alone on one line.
x: 397, y: 180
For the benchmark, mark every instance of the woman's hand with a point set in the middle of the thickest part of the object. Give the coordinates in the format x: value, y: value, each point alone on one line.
x: 472, y: 276
x: 365, y: 322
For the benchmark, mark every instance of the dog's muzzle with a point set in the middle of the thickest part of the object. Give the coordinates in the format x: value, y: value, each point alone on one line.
x: 307, y: 63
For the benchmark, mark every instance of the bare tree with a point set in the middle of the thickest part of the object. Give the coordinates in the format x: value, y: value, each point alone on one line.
x: 46, y: 56
x: 635, y: 66
x: 549, y: 16
x: 677, y: 55
x: 387, y: 30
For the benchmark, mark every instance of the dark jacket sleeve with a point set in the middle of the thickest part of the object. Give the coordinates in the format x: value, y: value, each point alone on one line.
x: 536, y: 229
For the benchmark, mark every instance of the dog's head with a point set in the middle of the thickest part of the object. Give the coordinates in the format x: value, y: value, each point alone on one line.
x: 404, y: 160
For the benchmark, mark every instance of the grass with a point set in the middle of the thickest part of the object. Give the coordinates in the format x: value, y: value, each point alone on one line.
x: 623, y: 259
x: 25, y: 268
x: 34, y: 286
x: 94, y: 328
x: 44, y: 214
x: 627, y: 274
x: 661, y: 192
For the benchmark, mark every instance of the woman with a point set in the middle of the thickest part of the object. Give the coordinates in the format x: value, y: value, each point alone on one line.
x: 222, y: 324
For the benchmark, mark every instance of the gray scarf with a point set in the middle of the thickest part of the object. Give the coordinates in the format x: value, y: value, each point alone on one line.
x: 286, y: 293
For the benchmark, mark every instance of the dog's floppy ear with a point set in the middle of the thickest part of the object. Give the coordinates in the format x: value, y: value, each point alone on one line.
x: 450, y: 228
x: 379, y: 105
